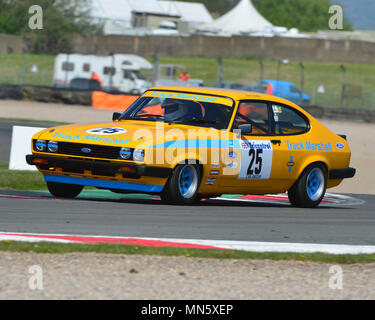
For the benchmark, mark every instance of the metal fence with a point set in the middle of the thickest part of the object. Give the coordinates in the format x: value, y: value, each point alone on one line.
x: 327, y: 84
x: 22, y: 69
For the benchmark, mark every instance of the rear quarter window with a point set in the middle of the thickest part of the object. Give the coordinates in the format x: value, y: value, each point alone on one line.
x: 289, y: 121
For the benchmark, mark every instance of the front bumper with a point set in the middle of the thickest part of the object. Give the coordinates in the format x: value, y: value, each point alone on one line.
x: 99, y: 168
x: 342, y: 173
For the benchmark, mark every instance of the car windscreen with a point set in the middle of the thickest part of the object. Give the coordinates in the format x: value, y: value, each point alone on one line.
x: 195, y: 113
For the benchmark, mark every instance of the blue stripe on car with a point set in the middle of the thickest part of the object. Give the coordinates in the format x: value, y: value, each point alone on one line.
x: 104, y: 184
x: 200, y: 143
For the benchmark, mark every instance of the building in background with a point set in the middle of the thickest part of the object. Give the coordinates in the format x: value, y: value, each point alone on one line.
x: 149, y: 16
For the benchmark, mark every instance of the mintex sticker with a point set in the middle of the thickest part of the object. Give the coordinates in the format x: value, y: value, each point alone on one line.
x: 256, y: 160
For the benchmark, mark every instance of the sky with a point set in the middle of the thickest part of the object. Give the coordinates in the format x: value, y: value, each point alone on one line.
x: 360, y: 13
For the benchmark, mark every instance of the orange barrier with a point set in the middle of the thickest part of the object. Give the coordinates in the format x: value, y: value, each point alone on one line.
x: 116, y: 102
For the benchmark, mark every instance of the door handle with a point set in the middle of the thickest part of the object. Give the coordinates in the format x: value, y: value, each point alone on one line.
x: 276, y: 142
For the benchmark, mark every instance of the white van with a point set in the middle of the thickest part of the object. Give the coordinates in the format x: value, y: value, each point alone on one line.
x: 118, y: 72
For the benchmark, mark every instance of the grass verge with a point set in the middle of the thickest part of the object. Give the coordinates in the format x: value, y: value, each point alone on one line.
x: 58, y: 248
x: 20, y: 180
x: 47, y: 122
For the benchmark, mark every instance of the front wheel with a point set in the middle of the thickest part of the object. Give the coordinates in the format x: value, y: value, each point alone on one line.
x: 182, y: 187
x: 310, y: 188
x: 63, y: 190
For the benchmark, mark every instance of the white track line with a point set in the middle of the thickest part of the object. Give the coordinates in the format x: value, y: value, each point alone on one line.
x: 249, y: 246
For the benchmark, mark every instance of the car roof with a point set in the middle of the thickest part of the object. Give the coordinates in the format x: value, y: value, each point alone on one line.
x: 228, y: 93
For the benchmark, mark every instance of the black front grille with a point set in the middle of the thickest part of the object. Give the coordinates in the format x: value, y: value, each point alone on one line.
x: 78, y: 149
x: 92, y: 151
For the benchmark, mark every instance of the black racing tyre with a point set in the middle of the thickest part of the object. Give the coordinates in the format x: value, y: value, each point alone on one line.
x: 182, y: 187
x: 63, y: 190
x: 310, y: 188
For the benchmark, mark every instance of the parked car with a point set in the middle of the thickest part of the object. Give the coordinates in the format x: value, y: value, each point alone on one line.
x: 282, y: 89
x: 186, y: 144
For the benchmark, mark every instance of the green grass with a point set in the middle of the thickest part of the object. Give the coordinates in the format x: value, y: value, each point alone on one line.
x: 327, y: 74
x: 243, y: 70
x: 11, y: 69
x: 20, y: 180
x: 58, y: 248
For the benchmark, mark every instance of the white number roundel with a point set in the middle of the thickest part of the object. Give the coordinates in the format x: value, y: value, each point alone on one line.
x: 106, y: 131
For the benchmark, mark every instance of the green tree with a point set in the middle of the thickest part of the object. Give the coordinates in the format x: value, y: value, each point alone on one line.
x: 305, y: 15
x: 61, y: 19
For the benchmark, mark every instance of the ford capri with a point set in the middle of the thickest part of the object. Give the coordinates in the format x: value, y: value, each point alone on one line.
x: 186, y: 144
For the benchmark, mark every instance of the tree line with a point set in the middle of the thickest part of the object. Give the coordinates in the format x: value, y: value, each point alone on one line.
x: 62, y: 18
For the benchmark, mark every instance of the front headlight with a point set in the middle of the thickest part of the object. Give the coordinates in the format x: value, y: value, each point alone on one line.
x: 41, y: 145
x: 139, y: 155
x: 125, y: 153
x: 53, y: 146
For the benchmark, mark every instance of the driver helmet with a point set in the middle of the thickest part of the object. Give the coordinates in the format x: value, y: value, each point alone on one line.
x: 176, y: 110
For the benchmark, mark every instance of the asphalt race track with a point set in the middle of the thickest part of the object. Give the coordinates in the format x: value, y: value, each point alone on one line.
x: 104, y: 213
x: 271, y: 219
x: 6, y: 135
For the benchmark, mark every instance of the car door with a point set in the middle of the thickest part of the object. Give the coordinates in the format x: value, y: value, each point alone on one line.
x: 250, y: 163
x: 290, y: 137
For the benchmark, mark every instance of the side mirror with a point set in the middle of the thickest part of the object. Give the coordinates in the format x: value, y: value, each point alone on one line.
x: 246, y: 129
x: 116, y: 116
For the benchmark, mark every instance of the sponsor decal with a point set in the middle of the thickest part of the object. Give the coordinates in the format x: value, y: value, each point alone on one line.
x: 107, y: 131
x: 214, y: 172
x: 91, y: 137
x: 265, y: 145
x: 244, y: 145
x: 256, y: 160
x: 291, y: 164
x: 232, y: 155
x: 309, y: 146
x: 184, y: 96
x: 210, y: 182
x: 215, y: 165
x: 340, y: 146
x: 231, y: 165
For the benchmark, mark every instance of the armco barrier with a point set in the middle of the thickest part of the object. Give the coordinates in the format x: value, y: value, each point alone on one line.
x: 58, y: 95
x: 11, y: 92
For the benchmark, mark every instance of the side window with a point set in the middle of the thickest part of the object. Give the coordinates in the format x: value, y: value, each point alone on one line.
x: 109, y: 70
x: 294, y: 89
x: 288, y: 121
x: 127, y: 74
x: 256, y: 114
x: 68, y: 66
x: 86, y: 67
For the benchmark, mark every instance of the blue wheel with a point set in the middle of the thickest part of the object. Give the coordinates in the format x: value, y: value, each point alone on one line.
x: 182, y: 187
x: 188, y: 181
x: 310, y: 188
x: 315, y: 184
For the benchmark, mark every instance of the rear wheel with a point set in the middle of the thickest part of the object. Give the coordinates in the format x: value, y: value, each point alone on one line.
x: 63, y: 190
x: 310, y: 188
x: 182, y: 187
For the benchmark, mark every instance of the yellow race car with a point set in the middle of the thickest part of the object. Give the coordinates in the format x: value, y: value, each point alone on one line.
x: 186, y: 144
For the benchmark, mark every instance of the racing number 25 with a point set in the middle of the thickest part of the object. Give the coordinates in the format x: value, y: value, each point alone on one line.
x: 255, y: 157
